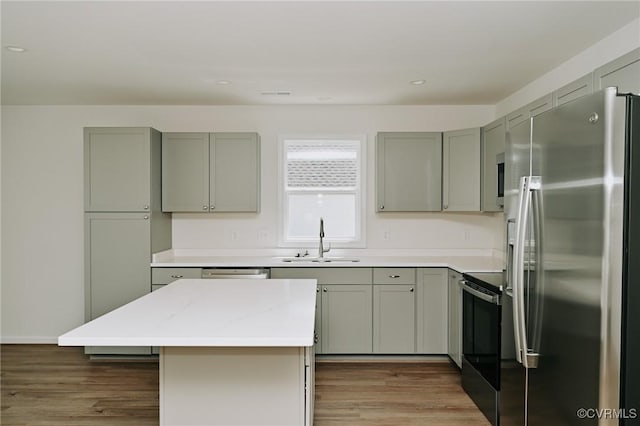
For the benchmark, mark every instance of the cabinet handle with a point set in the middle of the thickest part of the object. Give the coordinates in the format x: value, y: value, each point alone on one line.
x: 382, y: 207
x: 212, y: 208
x: 146, y: 217
x: 318, y: 290
x: 205, y: 208
x: 146, y: 207
x: 394, y: 276
x: 324, y: 289
x: 446, y: 206
x: 315, y: 338
x: 176, y: 276
x: 411, y: 289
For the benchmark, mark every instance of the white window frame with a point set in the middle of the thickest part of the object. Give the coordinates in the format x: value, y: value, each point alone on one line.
x: 283, y: 211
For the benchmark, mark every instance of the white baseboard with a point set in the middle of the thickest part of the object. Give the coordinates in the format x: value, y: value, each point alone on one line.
x: 8, y: 340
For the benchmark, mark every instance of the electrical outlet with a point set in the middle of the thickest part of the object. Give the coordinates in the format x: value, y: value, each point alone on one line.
x: 263, y: 235
x: 234, y: 235
x: 467, y: 235
x: 387, y: 235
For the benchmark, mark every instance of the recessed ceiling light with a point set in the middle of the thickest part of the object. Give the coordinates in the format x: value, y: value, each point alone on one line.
x: 223, y: 82
x: 324, y: 98
x: 16, y: 49
x: 417, y: 82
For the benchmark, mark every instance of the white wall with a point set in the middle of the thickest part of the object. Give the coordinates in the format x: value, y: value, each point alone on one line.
x: 42, y: 218
x: 615, y: 45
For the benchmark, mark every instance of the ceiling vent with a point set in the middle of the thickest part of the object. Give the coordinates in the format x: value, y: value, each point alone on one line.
x: 276, y: 92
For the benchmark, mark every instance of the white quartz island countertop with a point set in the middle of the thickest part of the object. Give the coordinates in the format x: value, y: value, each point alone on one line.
x: 195, y: 312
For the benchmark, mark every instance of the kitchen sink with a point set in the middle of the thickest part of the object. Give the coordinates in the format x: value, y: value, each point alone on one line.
x: 320, y: 260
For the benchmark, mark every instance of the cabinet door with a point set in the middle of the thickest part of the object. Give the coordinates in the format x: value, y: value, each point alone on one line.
x: 117, y: 250
x: 185, y: 172
x: 117, y: 169
x: 624, y: 73
x: 235, y: 172
x: 455, y: 318
x: 409, y: 172
x: 574, y: 90
x: 347, y: 321
x: 317, y: 334
x: 394, y: 319
x: 461, y: 170
x: 540, y: 105
x: 432, y: 311
x: 516, y: 117
x: 493, y: 143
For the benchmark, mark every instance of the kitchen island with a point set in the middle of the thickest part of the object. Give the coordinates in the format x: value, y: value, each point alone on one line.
x: 233, y: 352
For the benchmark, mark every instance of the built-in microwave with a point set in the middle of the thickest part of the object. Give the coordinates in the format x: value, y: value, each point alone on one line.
x: 500, y: 179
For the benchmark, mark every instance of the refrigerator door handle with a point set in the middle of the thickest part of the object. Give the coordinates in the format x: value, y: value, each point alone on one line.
x: 524, y: 356
x: 517, y: 267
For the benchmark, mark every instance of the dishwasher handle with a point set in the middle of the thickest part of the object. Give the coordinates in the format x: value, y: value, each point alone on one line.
x: 223, y: 273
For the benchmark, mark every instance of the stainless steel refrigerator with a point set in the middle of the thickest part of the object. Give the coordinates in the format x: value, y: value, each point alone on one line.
x: 572, y: 205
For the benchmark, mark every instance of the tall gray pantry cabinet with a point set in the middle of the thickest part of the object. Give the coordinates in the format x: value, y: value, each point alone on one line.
x: 124, y: 223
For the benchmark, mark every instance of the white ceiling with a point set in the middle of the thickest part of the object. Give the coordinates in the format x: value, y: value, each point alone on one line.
x: 323, y: 52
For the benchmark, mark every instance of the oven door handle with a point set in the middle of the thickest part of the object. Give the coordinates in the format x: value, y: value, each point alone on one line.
x: 493, y: 299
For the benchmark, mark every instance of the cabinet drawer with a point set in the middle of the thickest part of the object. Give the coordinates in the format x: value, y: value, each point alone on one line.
x: 394, y: 275
x: 326, y: 275
x: 169, y: 275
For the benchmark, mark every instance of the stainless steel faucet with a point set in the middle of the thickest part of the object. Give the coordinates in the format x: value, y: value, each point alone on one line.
x: 321, y: 250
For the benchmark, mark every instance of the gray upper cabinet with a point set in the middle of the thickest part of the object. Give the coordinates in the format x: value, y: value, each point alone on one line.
x: 185, y: 172
x: 536, y: 107
x: 461, y: 170
x: 117, y: 169
x: 516, y: 117
x: 540, y: 105
x: 574, y: 90
x: 409, y: 172
x: 624, y: 73
x: 235, y: 172
x: 211, y: 172
x: 493, y: 143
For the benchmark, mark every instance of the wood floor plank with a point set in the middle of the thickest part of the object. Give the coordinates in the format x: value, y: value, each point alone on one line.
x: 49, y: 385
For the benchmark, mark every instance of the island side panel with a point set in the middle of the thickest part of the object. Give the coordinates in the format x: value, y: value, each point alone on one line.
x: 232, y: 386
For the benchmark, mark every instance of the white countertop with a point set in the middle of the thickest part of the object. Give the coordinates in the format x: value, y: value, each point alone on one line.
x: 195, y: 312
x: 458, y: 263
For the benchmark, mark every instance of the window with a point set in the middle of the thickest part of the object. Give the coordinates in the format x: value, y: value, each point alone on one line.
x: 322, y: 177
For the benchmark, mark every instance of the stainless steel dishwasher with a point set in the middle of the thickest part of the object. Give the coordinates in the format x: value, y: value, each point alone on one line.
x: 235, y: 273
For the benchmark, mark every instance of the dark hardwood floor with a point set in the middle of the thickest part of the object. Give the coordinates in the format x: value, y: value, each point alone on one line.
x: 50, y: 385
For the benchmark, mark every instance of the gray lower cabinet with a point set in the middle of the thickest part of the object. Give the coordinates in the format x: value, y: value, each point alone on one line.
x: 346, y: 319
x: 394, y: 310
x: 455, y: 318
x: 409, y: 171
x: 493, y: 143
x: 461, y: 170
x: 623, y: 72
x: 432, y: 311
x: 164, y: 276
x: 118, y: 252
x: 341, y: 334
x: 211, y: 172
